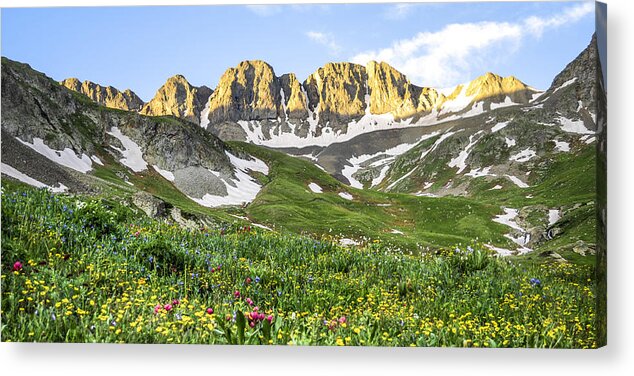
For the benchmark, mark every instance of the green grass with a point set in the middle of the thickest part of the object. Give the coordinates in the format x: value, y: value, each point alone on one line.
x: 92, y: 270
x: 286, y: 202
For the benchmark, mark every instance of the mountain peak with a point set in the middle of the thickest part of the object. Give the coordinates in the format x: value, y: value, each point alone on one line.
x: 493, y: 87
x: 106, y: 95
x: 178, y: 78
x: 177, y: 97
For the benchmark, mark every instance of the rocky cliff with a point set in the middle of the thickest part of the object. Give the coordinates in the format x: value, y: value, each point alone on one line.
x: 177, y: 97
x: 105, y: 95
x: 338, y: 101
x: 249, y: 91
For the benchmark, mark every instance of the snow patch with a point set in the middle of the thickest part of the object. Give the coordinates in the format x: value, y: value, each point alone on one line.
x: 376, y: 181
x: 402, y: 178
x: 241, y: 189
x: 509, y: 142
x: 132, y: 154
x: 535, y: 96
x: 508, y: 219
x: 66, y: 157
x: 262, y: 226
x: 204, y: 115
x: 460, y: 160
x: 283, y: 103
x: 315, y: 188
x: 96, y: 160
x: 395, y: 231
x: 507, y: 102
x: 425, y: 194
x: 309, y: 156
x: 590, y: 140
x: 561, y: 145
x: 239, y: 217
x: 346, y: 195
x: 497, y: 186
x: 523, y: 156
x: 499, y: 126
x: 459, y: 103
x: 573, y: 126
x: 14, y: 173
x: 164, y: 173
x: 500, y: 251
x: 517, y: 181
x: 356, y: 162
x: 553, y: 216
x: 476, y: 173
x: 565, y: 84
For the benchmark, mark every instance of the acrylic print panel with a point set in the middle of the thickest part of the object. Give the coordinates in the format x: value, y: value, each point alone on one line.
x: 426, y: 174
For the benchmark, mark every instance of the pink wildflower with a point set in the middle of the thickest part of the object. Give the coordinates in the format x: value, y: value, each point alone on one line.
x: 17, y: 266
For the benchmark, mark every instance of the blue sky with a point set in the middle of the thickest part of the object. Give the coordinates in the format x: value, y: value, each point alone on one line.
x: 438, y: 45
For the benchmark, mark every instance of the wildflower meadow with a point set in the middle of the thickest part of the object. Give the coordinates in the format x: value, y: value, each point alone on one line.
x: 80, y: 269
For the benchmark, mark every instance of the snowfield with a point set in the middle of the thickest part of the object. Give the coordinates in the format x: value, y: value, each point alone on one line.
x: 132, y: 154
x: 14, y: 173
x: 241, y: 189
x: 66, y: 157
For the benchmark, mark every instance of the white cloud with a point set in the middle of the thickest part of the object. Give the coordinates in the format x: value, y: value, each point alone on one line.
x: 443, y: 58
x: 449, y: 56
x: 398, y: 11
x: 538, y: 25
x: 325, y: 39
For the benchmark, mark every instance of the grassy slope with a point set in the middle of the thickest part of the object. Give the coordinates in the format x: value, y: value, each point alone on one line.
x: 287, y: 202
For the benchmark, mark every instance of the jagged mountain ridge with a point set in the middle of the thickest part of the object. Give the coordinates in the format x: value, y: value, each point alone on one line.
x: 177, y: 97
x: 341, y: 100
x: 335, y: 103
x: 105, y: 95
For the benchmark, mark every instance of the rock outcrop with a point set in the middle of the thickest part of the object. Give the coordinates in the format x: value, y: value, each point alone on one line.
x: 337, y: 91
x: 391, y: 92
x: 105, y: 95
x: 177, y: 97
x: 249, y: 91
x: 294, y: 101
